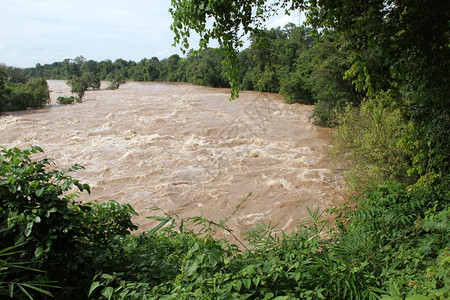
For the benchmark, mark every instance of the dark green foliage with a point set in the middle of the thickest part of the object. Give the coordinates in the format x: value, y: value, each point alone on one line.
x: 39, y: 216
x: 206, y: 69
x: 171, y: 68
x: 271, y: 57
x: 79, y: 85
x: 147, y: 70
x: 394, y: 243
x: 20, y: 96
x: 14, y: 75
x: 371, y: 144
x: 92, y: 80
x: 116, y: 81
x: 65, y: 100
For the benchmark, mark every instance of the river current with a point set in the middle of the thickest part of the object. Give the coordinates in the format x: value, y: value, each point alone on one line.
x: 187, y: 150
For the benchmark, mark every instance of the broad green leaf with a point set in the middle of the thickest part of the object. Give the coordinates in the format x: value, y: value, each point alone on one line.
x: 107, y: 276
x: 237, y: 286
x: 268, y: 296
x: 108, y: 292
x: 28, y: 230
x: 93, y: 287
x: 256, y: 281
x: 192, y: 268
x: 214, y: 257
x: 39, y: 252
x: 247, y: 283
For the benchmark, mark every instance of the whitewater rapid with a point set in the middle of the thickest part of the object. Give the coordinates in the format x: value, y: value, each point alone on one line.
x: 187, y: 150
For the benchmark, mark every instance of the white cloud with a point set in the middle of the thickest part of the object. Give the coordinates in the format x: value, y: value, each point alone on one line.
x: 280, y: 20
x: 52, y: 30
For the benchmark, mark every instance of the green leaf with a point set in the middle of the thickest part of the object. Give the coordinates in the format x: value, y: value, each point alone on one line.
x: 247, y: 283
x: 108, y: 292
x: 192, y: 267
x: 39, y: 251
x: 393, y: 289
x: 38, y: 149
x: 11, y: 289
x: 94, y: 286
x: 163, y: 221
x: 268, y: 296
x: 237, y: 286
x: 109, y: 277
x: 28, y: 230
x: 38, y: 289
x: 214, y: 257
x: 417, y: 297
x: 25, y: 292
x: 256, y: 281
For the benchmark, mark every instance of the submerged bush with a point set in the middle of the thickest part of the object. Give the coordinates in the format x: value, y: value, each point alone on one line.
x: 65, y: 100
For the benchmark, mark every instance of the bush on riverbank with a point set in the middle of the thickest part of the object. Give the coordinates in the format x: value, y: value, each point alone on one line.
x: 20, y: 96
x: 395, y: 242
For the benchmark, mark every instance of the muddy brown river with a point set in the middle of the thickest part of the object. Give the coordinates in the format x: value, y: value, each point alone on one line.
x: 187, y: 150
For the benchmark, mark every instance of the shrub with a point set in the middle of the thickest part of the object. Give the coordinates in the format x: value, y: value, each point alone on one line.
x: 370, y: 145
x: 20, y: 96
x: 293, y: 89
x: 65, y: 100
x: 78, y: 86
x: 40, y: 94
x: 38, y: 215
x: 116, y: 82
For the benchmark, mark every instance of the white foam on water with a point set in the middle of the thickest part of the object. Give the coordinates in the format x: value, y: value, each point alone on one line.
x: 280, y: 182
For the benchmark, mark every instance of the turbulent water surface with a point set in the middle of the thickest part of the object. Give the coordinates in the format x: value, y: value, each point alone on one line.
x: 187, y: 150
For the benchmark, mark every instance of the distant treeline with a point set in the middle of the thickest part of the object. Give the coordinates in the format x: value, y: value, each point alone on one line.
x: 292, y: 60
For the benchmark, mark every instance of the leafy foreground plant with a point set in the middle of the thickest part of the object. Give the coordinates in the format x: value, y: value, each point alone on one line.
x: 18, y: 274
x: 394, y: 245
x: 49, y: 230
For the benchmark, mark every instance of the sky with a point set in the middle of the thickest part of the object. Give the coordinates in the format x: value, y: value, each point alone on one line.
x: 46, y: 31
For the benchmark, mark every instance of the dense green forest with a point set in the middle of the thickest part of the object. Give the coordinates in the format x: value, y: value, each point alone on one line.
x: 377, y: 71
